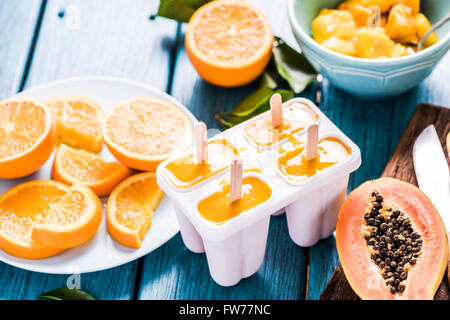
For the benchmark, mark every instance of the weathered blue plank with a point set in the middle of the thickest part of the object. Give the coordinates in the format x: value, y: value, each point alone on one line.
x: 376, y: 127
x: 94, y: 38
x: 172, y: 272
x: 17, y: 21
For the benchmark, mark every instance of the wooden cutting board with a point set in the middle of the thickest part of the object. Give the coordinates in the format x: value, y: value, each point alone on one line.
x: 400, y: 166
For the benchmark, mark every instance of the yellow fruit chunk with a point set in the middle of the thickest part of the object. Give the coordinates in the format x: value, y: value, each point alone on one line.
x: 422, y: 26
x: 373, y: 43
x: 338, y: 23
x: 130, y: 208
x: 413, y: 4
x: 229, y: 42
x: 80, y: 166
x: 27, y: 137
x: 64, y: 217
x: 384, y: 5
x: 342, y: 46
x: 363, y: 16
x: 142, y: 132
x: 400, y: 23
x: 399, y: 51
x: 70, y: 222
x: 78, y: 121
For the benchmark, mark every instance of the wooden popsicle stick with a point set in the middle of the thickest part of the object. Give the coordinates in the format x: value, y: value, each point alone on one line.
x: 204, y: 143
x: 201, y: 143
x: 276, y: 110
x: 236, y: 180
x: 312, y: 141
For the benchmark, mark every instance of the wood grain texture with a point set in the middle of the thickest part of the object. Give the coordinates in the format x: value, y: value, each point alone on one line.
x: 94, y: 38
x: 107, y: 37
x: 173, y: 272
x: 17, y: 21
x: 400, y: 166
x: 322, y: 257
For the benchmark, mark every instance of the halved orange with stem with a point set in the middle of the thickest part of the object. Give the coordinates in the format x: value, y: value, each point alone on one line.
x: 80, y: 166
x: 27, y: 137
x: 142, y: 132
x: 39, y: 219
x: 78, y: 121
x: 229, y: 42
x: 130, y: 208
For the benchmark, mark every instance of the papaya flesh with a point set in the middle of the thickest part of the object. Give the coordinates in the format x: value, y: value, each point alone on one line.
x: 420, y: 266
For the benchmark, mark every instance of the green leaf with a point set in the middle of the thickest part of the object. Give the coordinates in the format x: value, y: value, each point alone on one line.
x: 267, y: 80
x: 240, y: 114
x: 252, y: 101
x: 292, y: 66
x: 66, y: 294
x: 180, y: 10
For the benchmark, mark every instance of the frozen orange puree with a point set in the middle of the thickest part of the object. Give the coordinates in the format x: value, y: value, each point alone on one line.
x: 294, y: 165
x: 218, y: 208
x: 185, y: 172
x: 296, y: 117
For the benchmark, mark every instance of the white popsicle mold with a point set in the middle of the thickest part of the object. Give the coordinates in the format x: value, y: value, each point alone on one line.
x: 235, y: 249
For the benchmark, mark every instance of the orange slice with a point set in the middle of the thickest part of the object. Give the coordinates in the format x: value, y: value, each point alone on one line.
x: 71, y: 221
x: 43, y: 204
x: 78, y: 121
x: 27, y: 137
x: 229, y: 42
x: 80, y: 166
x: 142, y: 132
x: 130, y: 208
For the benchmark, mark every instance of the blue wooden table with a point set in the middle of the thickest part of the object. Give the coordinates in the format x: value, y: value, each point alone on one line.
x: 44, y: 40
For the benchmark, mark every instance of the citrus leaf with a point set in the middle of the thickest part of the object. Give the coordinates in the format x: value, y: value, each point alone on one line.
x: 180, y: 10
x: 230, y: 119
x: 292, y: 66
x: 266, y: 79
x: 66, y: 294
x: 252, y: 101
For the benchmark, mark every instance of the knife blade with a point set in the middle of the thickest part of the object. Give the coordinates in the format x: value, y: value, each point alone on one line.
x: 433, y: 175
x: 432, y: 171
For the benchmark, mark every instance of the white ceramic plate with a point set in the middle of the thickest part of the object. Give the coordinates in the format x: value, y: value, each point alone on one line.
x: 102, y: 252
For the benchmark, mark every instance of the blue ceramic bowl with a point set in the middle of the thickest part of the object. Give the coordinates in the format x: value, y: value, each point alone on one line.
x: 368, y: 78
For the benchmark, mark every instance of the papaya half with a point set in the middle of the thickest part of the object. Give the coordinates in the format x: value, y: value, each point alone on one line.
x: 391, y: 241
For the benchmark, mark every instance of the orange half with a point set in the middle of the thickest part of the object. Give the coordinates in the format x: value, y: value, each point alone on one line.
x: 39, y: 219
x: 72, y: 221
x: 142, y: 132
x: 27, y: 137
x: 229, y: 42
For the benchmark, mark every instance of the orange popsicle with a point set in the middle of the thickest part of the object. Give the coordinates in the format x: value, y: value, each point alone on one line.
x: 296, y: 117
x: 218, y: 207
x: 186, y: 172
x: 295, y: 166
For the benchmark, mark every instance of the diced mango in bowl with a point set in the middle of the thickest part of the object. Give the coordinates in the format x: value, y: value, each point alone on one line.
x: 360, y: 13
x: 373, y: 28
x: 342, y: 46
x: 400, y: 23
x: 373, y: 43
x: 422, y: 26
x: 338, y: 23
